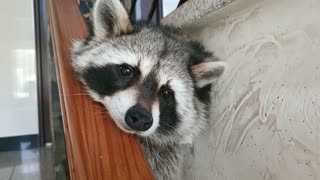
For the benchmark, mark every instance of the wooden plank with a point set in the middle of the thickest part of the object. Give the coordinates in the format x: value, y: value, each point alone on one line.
x: 96, y: 148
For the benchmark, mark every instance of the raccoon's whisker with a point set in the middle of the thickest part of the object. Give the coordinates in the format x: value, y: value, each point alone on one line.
x: 159, y: 135
x: 101, y: 113
x: 167, y: 125
x: 101, y: 109
x: 147, y: 141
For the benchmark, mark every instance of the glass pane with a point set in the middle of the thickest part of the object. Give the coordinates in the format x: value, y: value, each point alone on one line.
x: 18, y: 92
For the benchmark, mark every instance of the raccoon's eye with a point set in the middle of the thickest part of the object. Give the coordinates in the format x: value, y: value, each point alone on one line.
x: 126, y: 70
x: 166, y: 93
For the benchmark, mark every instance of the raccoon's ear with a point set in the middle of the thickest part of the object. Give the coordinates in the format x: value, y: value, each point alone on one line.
x: 110, y: 19
x: 206, y: 72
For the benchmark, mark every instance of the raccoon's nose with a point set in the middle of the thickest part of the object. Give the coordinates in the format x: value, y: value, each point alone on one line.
x: 138, y: 118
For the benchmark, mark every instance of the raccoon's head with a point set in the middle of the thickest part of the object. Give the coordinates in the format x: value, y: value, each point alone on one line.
x: 154, y: 83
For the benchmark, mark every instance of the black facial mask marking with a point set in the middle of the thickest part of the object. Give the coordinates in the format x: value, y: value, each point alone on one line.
x: 169, y: 118
x: 108, y: 79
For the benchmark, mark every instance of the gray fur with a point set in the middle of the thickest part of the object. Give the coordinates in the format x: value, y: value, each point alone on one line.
x: 171, y: 59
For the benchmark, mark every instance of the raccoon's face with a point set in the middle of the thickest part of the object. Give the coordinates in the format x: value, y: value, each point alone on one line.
x: 153, y: 82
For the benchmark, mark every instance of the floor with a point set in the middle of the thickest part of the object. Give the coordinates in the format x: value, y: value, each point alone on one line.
x: 34, y: 164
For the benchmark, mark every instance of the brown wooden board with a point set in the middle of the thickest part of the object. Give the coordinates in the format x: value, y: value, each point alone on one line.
x: 96, y: 148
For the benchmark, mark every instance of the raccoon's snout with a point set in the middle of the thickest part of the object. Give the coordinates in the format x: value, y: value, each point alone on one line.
x: 138, y: 118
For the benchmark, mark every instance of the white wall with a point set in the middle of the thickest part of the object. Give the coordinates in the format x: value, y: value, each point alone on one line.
x: 266, y: 109
x: 18, y: 92
x: 168, y: 6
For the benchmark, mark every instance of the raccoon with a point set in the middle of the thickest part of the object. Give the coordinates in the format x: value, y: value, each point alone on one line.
x: 154, y: 83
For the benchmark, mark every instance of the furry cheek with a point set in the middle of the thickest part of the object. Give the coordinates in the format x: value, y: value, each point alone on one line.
x: 94, y: 95
x: 118, y: 104
x: 185, y: 104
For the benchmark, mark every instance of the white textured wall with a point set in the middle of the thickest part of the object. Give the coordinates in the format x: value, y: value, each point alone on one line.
x: 266, y: 109
x: 18, y: 91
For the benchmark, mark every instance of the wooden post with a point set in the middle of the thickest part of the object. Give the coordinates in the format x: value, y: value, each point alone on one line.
x: 96, y: 148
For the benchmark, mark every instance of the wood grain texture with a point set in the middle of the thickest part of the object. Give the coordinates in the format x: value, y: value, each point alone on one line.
x: 96, y: 148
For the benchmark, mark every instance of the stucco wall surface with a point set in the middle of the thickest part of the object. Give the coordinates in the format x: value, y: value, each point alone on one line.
x: 266, y: 108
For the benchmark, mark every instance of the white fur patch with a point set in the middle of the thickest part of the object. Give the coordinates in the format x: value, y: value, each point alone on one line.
x: 118, y: 104
x: 105, y: 54
x: 146, y: 66
x: 187, y: 140
x: 94, y: 96
x: 163, y: 78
